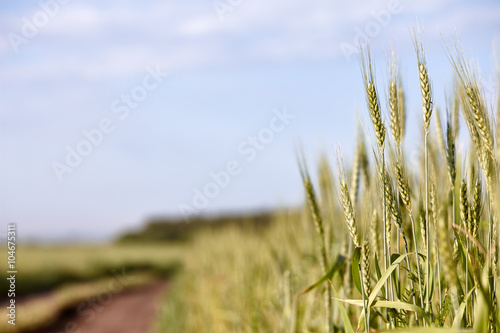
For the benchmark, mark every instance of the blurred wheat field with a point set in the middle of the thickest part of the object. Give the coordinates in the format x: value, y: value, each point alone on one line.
x: 236, y: 281
x: 380, y: 245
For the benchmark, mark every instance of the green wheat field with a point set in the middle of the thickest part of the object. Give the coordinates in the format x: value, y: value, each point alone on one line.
x: 377, y: 245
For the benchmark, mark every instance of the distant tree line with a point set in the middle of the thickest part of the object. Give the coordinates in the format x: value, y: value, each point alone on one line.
x: 177, y: 229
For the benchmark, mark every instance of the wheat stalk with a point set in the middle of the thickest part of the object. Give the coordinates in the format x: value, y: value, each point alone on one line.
x: 404, y: 193
x: 346, y: 200
x: 379, y: 129
x: 425, y: 90
x: 356, y: 170
x: 450, y: 152
x: 423, y: 225
x: 364, y: 271
x: 364, y: 162
x: 375, y: 235
x: 447, y: 251
x: 476, y: 207
x: 439, y: 130
x: 402, y: 108
x: 398, y: 221
x: 436, y: 243
x: 318, y: 221
x: 327, y: 197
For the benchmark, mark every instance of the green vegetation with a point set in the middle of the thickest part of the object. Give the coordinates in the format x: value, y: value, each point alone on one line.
x: 43, y: 268
x: 74, y: 274
x: 41, y: 312
x: 235, y: 281
x: 177, y: 229
x: 394, y: 246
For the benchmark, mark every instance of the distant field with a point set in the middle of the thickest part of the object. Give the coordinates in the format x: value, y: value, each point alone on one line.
x: 64, y: 276
x: 44, y: 267
x: 54, y: 278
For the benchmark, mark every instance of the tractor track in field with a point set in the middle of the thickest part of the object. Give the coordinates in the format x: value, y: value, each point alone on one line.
x: 131, y: 311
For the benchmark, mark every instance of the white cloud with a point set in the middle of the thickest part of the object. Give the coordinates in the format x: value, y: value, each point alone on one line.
x: 99, y: 41
x: 77, y: 19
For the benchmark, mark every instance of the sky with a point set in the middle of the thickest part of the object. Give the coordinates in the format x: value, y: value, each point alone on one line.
x: 114, y: 112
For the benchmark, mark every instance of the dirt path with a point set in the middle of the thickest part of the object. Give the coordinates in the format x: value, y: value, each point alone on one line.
x: 131, y: 311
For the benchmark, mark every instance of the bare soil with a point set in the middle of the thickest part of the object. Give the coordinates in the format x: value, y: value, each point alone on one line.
x: 132, y: 311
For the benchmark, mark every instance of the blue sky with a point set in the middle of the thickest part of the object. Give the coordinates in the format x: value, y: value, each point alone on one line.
x: 232, y: 65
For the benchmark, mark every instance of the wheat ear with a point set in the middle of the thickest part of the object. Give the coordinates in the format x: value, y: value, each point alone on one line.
x: 394, y: 107
x: 346, y: 201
